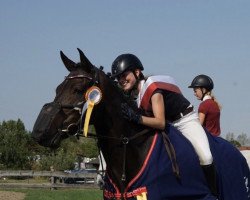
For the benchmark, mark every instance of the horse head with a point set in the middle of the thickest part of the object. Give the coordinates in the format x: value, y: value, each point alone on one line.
x: 64, y: 116
x: 60, y: 118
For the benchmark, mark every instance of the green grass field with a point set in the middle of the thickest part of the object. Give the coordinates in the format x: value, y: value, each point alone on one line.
x: 62, y: 194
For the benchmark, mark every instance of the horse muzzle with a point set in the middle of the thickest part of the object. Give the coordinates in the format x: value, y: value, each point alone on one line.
x: 45, y: 130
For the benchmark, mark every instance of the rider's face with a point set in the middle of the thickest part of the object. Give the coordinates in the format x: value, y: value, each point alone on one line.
x: 126, y: 80
x: 198, y: 93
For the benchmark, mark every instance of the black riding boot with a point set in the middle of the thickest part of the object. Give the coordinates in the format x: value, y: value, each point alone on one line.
x: 210, y: 175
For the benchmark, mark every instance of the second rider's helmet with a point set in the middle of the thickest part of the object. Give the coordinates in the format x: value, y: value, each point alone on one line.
x: 202, y: 81
x: 125, y: 62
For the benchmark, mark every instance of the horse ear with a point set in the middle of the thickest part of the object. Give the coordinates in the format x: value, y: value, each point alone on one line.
x: 84, y: 60
x: 69, y: 64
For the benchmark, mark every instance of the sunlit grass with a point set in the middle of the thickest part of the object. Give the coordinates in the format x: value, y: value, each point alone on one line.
x: 61, y: 194
x: 92, y: 194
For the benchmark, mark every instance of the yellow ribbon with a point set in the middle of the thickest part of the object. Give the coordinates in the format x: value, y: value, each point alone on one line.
x: 87, y: 117
x: 142, y: 196
x: 93, y: 96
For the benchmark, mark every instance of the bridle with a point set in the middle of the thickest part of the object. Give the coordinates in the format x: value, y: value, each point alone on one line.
x: 76, y: 127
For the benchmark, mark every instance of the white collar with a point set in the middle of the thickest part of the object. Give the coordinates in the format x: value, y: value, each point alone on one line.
x: 206, y: 97
x: 141, y: 84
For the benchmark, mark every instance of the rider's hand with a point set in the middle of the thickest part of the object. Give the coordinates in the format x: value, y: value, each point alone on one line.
x: 129, y: 114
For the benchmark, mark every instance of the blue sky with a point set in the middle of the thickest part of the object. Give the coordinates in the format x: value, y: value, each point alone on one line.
x: 180, y: 38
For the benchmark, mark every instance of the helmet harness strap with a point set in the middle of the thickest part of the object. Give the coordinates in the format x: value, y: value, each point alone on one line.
x: 203, y: 93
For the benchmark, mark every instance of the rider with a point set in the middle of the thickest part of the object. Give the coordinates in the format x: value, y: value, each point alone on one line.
x: 209, y: 109
x: 162, y: 97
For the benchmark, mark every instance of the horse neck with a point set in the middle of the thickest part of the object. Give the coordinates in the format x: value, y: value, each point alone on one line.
x: 109, y: 123
x: 109, y: 112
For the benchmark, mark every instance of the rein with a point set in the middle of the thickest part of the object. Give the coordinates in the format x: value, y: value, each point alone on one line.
x: 125, y: 141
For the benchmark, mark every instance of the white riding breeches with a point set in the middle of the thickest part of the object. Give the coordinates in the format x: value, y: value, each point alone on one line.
x: 189, y: 125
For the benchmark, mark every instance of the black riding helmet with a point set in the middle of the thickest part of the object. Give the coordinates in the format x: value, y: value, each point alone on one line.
x: 125, y: 62
x: 202, y: 81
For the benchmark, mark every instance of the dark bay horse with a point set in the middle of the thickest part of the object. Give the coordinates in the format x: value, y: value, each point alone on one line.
x: 138, y: 165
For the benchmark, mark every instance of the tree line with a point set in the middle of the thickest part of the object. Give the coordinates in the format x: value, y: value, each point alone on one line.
x: 19, y: 151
